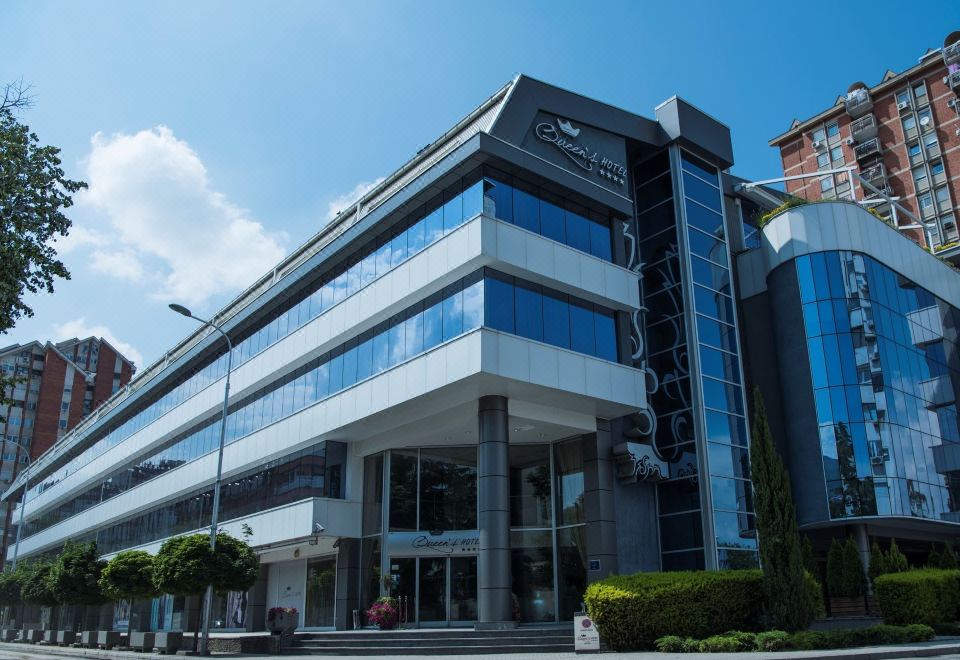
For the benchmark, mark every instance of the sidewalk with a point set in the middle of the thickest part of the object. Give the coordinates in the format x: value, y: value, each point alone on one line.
x: 943, y: 646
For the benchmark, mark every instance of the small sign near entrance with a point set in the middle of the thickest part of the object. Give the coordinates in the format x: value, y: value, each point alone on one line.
x: 594, y: 564
x: 586, y: 637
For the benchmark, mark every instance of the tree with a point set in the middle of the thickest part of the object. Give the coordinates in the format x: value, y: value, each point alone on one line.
x: 835, y: 568
x: 854, y: 581
x: 185, y: 566
x: 948, y: 559
x: 780, y: 553
x: 895, y: 561
x: 934, y: 558
x: 806, y: 549
x: 36, y: 584
x: 129, y: 576
x: 11, y: 584
x: 34, y: 192
x: 875, y: 569
x: 74, y: 577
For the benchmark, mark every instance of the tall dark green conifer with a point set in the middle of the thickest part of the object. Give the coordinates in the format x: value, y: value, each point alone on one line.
x: 780, y: 551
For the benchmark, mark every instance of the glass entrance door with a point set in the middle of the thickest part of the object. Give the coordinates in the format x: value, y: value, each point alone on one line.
x: 435, y: 591
x: 321, y: 593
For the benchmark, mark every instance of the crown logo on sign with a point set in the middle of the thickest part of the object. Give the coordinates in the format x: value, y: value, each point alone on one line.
x: 568, y: 128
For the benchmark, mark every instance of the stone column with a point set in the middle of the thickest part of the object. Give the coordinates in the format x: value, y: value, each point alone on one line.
x: 598, y: 503
x: 256, y: 616
x: 348, y: 582
x: 494, y: 582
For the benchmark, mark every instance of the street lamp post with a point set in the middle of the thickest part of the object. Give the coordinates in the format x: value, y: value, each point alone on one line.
x: 214, y: 517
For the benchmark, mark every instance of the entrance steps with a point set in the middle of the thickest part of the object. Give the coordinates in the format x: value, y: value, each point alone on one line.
x: 443, y: 641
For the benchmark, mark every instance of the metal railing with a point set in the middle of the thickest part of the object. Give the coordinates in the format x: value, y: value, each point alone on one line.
x: 858, y: 104
x: 951, y: 53
x: 875, y: 174
x: 868, y: 148
x: 863, y: 128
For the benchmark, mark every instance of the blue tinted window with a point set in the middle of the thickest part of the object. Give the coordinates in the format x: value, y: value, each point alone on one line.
x: 722, y: 396
x: 719, y: 364
x: 472, y: 198
x: 818, y: 367
x: 413, y: 332
x: 529, y: 311
x: 350, y: 366
x: 805, y: 275
x: 726, y: 428
x: 708, y: 247
x: 526, y: 210
x: 383, y: 258
x: 701, y: 192
x: 452, y: 209
x: 432, y: 323
x: 433, y: 224
x: 365, y: 359
x: 578, y: 231
x: 705, y: 220
x: 710, y: 275
x: 606, y: 333
x: 556, y: 321
x: 452, y: 313
x: 701, y: 168
x: 473, y: 296
x: 716, y: 334
x: 381, y: 351
x: 552, y: 221
x: 416, y: 237
x: 336, y: 373
x: 397, y: 342
x: 498, y: 200
x: 398, y: 250
x: 582, y: 330
x: 600, y: 245
x: 713, y: 304
x: 499, y: 304
x: 811, y: 319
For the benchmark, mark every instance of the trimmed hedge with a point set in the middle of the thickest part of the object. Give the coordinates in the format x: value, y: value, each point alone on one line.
x: 810, y: 640
x: 631, y: 611
x: 928, y: 596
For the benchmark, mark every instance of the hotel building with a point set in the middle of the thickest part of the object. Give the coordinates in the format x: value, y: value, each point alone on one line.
x: 517, y: 366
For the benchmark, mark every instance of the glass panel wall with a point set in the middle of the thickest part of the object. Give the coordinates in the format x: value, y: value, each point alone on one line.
x: 321, y: 592
x: 883, y: 359
x: 720, y: 381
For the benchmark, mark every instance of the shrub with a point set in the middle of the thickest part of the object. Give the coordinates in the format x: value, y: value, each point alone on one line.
x: 926, y: 596
x: 835, y: 568
x: 631, y: 611
x: 771, y: 640
x: 815, y: 595
x: 875, y: 569
x: 670, y: 644
x: 934, y: 558
x: 720, y: 644
x: 853, y: 578
x: 948, y: 558
x: 894, y: 560
x: 384, y: 613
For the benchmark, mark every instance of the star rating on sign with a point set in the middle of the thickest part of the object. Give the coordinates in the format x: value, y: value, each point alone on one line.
x: 611, y: 176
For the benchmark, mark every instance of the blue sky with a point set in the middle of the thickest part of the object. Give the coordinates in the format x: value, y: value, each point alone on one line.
x: 217, y: 136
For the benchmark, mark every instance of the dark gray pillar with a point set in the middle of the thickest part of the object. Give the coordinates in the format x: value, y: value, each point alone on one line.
x: 256, y: 616
x: 494, y: 583
x: 598, y: 502
x: 348, y: 583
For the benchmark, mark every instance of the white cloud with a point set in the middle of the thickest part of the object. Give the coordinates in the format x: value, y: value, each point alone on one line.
x: 80, y: 329
x: 343, y: 202
x: 164, y: 216
x: 123, y: 264
x: 80, y: 237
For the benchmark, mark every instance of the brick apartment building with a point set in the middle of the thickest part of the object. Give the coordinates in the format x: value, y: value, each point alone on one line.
x: 59, y: 384
x: 902, y: 136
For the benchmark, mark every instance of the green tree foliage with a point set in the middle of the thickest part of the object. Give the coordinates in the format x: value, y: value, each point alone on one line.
x: 780, y: 553
x: 235, y: 565
x: 74, y: 577
x: 835, y: 568
x: 129, y: 575
x: 854, y: 581
x: 948, y: 558
x: 895, y: 561
x: 806, y: 549
x: 11, y: 584
x: 33, y: 195
x: 182, y: 566
x: 875, y: 568
x: 934, y: 558
x: 36, y: 584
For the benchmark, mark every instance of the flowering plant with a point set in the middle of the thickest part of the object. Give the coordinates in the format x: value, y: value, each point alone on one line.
x: 275, y: 612
x: 384, y: 613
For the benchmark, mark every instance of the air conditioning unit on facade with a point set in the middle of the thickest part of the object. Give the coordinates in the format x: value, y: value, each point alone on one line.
x: 925, y: 121
x: 850, y: 141
x: 903, y: 105
x: 818, y: 144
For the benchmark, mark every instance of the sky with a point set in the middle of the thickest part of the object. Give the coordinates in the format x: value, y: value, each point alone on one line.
x: 216, y: 137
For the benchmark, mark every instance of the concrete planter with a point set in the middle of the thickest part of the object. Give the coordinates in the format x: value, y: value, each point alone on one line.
x: 8, y: 635
x: 283, y: 622
x: 168, y: 642
x: 66, y: 637
x: 32, y: 635
x: 88, y: 639
x: 49, y: 636
x: 142, y: 641
x: 107, y: 639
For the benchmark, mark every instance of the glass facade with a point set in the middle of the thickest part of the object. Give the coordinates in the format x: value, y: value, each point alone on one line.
x: 883, y: 363
x: 686, y: 280
x: 458, y: 309
x: 496, y: 194
x: 282, y: 481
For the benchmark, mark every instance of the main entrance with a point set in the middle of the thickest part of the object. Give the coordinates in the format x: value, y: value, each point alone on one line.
x: 435, y: 591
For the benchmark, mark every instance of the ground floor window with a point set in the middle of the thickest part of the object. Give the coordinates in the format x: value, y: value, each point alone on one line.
x: 321, y: 592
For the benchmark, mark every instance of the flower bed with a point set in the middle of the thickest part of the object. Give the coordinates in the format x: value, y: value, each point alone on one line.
x: 777, y: 640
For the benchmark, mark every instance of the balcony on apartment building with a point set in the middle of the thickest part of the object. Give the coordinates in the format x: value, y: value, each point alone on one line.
x: 857, y: 100
x: 869, y: 148
x: 863, y: 128
x: 951, y: 49
x: 875, y: 175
